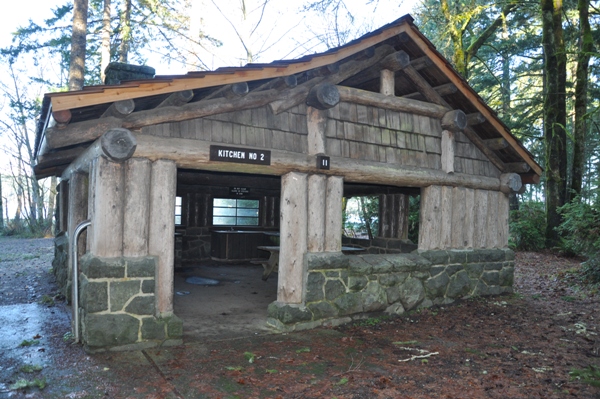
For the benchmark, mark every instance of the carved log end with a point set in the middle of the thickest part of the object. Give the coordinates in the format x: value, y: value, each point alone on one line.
x: 396, y: 61
x: 454, y: 120
x: 290, y: 81
x: 62, y: 117
x: 323, y: 96
x: 118, y: 144
x: 239, y: 89
x: 510, y: 183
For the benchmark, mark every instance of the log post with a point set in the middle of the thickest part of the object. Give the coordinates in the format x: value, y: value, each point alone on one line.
x: 480, y: 219
x: 77, y: 213
x: 446, y: 228
x: 387, y: 82
x: 137, y: 206
x: 293, y: 237
x: 459, y: 217
x: 431, y: 218
x: 161, y: 242
x: 492, y: 219
x: 333, y: 214
x: 317, y: 187
x: 469, y: 223
x: 316, y: 121
x: 503, y: 220
x: 107, y: 218
x: 448, y: 151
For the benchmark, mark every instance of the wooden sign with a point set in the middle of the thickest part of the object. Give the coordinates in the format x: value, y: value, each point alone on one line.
x: 239, y: 155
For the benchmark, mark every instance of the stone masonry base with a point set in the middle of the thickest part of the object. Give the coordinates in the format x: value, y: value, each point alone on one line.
x: 340, y: 288
x: 117, y: 306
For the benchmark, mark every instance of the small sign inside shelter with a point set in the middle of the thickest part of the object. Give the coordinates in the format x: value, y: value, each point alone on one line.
x: 240, y: 155
x: 239, y: 191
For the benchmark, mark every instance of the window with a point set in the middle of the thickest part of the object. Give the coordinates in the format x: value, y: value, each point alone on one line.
x: 177, y: 210
x: 235, y: 212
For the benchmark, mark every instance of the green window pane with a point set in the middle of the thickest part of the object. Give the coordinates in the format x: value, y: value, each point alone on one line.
x: 248, y: 212
x: 224, y: 202
x: 224, y: 211
x: 247, y: 221
x: 247, y: 204
x: 223, y: 221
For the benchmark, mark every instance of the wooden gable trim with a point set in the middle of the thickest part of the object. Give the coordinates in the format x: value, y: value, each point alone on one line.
x: 103, y: 95
x: 467, y: 92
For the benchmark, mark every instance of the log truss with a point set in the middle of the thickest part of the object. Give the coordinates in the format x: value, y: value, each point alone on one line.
x: 421, y: 83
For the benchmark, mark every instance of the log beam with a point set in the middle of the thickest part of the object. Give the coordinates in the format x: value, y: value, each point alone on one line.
x: 194, y: 154
x: 230, y: 92
x: 117, y: 145
x: 62, y: 118
x: 517, y: 167
x: 284, y: 82
x: 454, y: 120
x: 323, y: 96
x: 373, y: 72
x: 364, y: 97
x: 443, y: 90
x: 63, y: 157
x: 177, y: 99
x: 298, y: 95
x: 119, y: 109
x: 496, y: 144
x: 475, y: 118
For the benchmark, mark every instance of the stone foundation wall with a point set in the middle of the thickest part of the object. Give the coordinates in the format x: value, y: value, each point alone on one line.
x: 381, y: 245
x: 60, y: 265
x: 116, y: 298
x: 340, y: 288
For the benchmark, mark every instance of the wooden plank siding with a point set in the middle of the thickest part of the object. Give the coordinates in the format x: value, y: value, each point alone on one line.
x: 352, y: 131
x: 462, y: 218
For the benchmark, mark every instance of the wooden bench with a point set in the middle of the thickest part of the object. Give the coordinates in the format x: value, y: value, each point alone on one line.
x: 272, y: 264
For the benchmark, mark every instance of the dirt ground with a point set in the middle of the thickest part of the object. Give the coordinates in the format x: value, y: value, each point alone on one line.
x: 518, y: 346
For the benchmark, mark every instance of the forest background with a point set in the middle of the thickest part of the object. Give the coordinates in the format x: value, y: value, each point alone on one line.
x: 534, y: 62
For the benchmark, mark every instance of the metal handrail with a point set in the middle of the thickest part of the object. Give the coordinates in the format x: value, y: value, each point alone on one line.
x: 75, y: 274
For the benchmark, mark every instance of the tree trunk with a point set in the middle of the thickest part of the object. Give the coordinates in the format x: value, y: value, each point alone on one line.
x: 78, y: 37
x: 554, y: 115
x: 586, y: 44
x: 125, y: 32
x: 366, y: 217
x: 105, y: 44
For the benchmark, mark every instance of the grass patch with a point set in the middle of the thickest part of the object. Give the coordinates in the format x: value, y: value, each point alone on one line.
x: 405, y: 343
x: 589, y: 375
x: 46, y: 300
x: 29, y: 257
x: 29, y: 342
x: 234, y: 368
x: 30, y: 368
x: 23, y: 383
x: 303, y: 350
x: 250, y: 357
x: 568, y: 298
x: 371, y: 321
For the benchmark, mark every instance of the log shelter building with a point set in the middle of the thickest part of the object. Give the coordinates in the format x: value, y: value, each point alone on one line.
x: 281, y: 144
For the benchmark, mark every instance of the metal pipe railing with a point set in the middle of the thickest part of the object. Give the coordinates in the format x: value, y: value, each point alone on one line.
x: 75, y: 274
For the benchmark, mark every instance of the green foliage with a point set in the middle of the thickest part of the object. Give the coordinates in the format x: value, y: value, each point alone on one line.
x: 527, y: 227
x: 24, y: 384
x: 30, y: 368
x: 580, y: 232
x: 590, y: 375
x: 29, y: 342
x: 249, y: 357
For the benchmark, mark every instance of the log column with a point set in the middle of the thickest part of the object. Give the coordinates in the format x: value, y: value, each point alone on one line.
x: 137, y: 206
x: 77, y: 213
x: 333, y: 214
x: 317, y: 187
x: 163, y: 183
x: 293, y: 237
x: 106, y: 241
